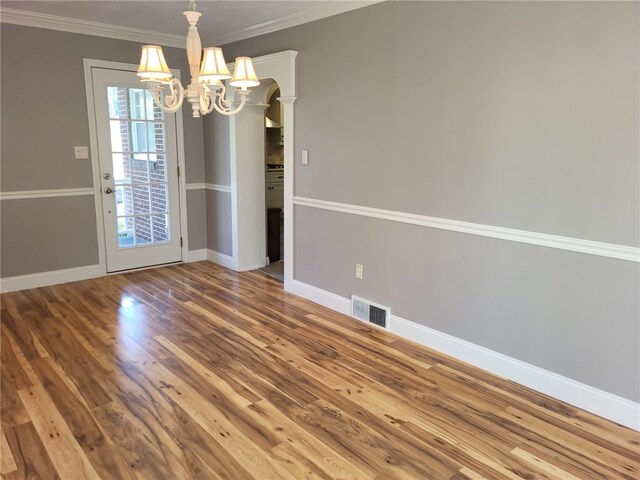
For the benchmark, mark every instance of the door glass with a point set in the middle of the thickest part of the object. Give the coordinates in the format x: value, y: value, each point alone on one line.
x: 139, y: 166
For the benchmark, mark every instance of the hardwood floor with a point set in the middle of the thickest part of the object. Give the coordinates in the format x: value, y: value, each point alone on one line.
x: 197, y: 372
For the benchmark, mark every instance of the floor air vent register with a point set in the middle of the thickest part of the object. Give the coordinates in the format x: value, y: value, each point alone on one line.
x: 370, y: 312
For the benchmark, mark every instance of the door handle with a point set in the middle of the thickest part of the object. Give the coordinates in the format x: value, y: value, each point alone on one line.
x: 108, y: 190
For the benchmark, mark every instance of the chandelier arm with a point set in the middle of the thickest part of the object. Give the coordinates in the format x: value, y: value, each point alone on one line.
x: 222, y: 102
x: 206, y: 102
x: 223, y: 105
x: 227, y: 111
x: 168, y: 103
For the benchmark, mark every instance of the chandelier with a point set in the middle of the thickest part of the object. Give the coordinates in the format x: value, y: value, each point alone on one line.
x: 206, y: 90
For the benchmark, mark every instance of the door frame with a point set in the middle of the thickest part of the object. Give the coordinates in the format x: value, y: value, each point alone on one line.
x: 90, y: 63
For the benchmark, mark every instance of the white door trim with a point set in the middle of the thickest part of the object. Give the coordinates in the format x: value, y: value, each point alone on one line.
x: 90, y: 63
x: 182, y: 180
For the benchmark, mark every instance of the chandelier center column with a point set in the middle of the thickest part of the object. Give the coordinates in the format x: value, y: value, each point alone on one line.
x: 194, y: 46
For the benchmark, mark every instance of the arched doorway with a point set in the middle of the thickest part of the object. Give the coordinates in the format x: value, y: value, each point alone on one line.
x: 248, y: 167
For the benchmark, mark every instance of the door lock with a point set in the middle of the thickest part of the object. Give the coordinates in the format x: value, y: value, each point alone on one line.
x: 107, y: 176
x: 108, y: 190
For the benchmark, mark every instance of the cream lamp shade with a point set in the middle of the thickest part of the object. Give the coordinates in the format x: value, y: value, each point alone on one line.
x: 244, y: 75
x: 214, y: 67
x: 153, y: 66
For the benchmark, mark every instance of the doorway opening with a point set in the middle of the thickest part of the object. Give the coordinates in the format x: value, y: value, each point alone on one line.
x: 274, y: 182
x: 247, y: 133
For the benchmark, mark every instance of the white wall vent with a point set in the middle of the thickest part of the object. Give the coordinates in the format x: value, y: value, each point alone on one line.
x: 370, y: 312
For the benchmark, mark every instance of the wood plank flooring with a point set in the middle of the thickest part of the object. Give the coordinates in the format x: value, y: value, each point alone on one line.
x: 197, y: 372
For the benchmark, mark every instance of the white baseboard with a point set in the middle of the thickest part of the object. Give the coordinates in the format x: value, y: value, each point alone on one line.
x: 222, y: 259
x: 322, y: 297
x: 613, y: 407
x: 229, y: 262
x: 248, y: 268
x: 610, y: 406
x: 226, y: 261
x: 43, y: 279
x: 196, y: 255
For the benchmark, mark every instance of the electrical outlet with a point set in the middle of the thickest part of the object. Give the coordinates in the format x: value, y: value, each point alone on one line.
x: 359, y: 271
x: 81, y: 152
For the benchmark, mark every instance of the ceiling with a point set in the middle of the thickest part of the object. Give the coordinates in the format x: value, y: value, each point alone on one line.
x: 221, y: 21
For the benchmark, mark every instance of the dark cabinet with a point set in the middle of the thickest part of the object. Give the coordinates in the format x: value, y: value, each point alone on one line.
x: 273, y: 234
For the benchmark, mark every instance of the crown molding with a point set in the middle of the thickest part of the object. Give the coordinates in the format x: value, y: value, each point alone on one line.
x: 309, y: 14
x: 73, y: 25
x: 86, y: 27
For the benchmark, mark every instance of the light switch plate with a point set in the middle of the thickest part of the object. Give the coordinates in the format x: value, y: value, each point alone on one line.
x: 305, y: 157
x: 81, y: 152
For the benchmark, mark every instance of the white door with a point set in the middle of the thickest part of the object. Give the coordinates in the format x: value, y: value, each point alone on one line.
x: 137, y: 146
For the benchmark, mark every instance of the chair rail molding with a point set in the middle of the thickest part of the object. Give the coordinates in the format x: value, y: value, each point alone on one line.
x: 610, y: 250
x: 49, y: 193
x: 209, y: 186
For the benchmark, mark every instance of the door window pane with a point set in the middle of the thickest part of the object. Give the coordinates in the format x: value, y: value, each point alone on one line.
x: 160, y: 228
x: 159, y: 197
x: 137, y: 105
x: 126, y: 236
x: 119, y: 135
x: 141, y: 200
x: 124, y: 200
x: 121, y: 168
x: 156, y: 137
x: 153, y: 112
x: 140, y: 168
x: 116, y: 96
x: 139, y: 136
x: 157, y: 168
x: 143, y: 230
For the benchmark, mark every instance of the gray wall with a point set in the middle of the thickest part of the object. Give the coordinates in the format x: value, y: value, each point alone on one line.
x: 40, y: 235
x: 219, y: 237
x: 567, y: 312
x: 216, y: 150
x: 196, y: 219
x: 43, y: 116
x: 218, y: 172
x: 513, y: 114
